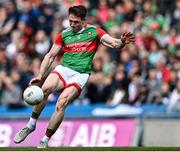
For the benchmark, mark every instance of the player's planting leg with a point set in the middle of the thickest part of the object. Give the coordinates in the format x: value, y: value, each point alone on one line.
x: 68, y: 95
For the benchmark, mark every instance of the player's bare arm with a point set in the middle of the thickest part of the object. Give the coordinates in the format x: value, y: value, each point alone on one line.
x: 125, y: 38
x: 46, y: 63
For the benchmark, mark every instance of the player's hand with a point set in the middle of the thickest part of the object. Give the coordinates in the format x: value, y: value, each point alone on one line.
x: 35, y: 81
x: 127, y: 38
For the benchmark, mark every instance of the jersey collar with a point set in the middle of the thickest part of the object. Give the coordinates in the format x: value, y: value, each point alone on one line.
x: 84, y: 26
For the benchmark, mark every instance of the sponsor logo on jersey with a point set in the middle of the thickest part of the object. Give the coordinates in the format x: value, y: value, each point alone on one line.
x: 89, y: 34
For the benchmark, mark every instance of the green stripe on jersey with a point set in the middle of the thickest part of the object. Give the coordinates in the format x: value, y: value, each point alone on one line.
x: 79, y: 61
x: 87, y: 35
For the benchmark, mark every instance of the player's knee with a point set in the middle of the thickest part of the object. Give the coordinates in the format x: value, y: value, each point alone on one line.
x: 61, y: 105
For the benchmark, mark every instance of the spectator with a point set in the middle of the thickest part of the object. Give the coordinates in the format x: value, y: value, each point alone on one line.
x: 42, y: 43
x: 154, y: 85
x: 12, y: 94
x: 119, y: 93
x: 111, y: 22
x: 14, y: 46
x: 174, y: 100
x: 102, y: 11
x: 155, y: 54
x: 7, y: 22
x: 164, y: 93
x: 4, y: 62
x: 173, y: 79
x: 133, y: 87
x: 142, y: 94
x: 99, y: 87
x: 175, y: 22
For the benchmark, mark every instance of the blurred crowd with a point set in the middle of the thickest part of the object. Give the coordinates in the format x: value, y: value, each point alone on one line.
x: 145, y: 72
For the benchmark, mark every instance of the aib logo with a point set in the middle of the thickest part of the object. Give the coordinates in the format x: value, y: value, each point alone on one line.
x: 29, y: 94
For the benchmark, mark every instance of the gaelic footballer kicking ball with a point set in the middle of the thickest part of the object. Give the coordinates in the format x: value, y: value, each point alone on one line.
x: 33, y: 95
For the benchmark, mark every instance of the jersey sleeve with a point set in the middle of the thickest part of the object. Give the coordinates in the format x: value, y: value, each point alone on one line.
x: 59, y: 40
x: 100, y: 32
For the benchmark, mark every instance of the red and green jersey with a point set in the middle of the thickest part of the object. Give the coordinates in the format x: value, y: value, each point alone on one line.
x: 79, y: 47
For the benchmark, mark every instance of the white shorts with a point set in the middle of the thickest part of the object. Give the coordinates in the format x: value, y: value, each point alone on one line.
x: 70, y: 77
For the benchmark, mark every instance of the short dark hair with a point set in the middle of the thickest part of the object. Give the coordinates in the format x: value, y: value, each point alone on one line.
x: 79, y: 11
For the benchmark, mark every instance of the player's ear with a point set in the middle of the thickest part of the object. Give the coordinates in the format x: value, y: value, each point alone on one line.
x: 83, y: 20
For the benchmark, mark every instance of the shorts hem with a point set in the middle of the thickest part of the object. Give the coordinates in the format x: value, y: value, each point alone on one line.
x: 60, y: 77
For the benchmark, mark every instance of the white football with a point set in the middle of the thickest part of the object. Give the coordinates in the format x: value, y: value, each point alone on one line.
x: 33, y: 95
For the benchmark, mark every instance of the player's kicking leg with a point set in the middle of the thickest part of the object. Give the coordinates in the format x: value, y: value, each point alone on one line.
x: 68, y: 95
x: 51, y: 84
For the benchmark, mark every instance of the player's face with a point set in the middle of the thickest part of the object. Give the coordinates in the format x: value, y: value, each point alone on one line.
x: 75, y: 22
